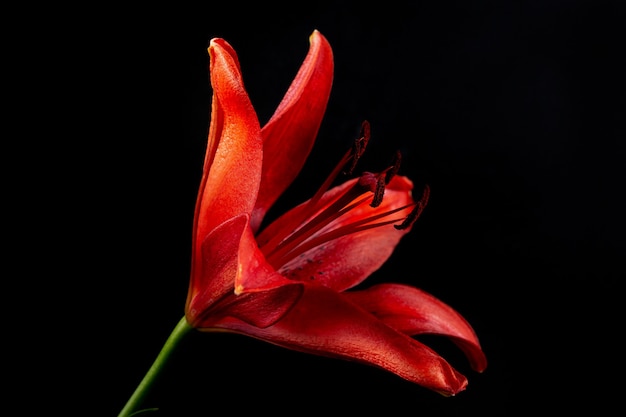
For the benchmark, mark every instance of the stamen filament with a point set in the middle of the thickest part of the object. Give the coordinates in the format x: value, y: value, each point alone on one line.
x: 358, y: 226
x: 311, y: 225
x: 308, y: 210
x: 328, y: 215
x: 352, y: 155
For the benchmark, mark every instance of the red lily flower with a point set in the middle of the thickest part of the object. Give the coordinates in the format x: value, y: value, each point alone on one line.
x: 288, y: 284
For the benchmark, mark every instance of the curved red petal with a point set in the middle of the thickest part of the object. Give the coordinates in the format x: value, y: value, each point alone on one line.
x: 323, y: 322
x: 413, y: 311
x: 234, y: 154
x: 254, y: 274
x: 290, y: 133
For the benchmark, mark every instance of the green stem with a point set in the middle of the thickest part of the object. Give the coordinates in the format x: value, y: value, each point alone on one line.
x: 181, y: 329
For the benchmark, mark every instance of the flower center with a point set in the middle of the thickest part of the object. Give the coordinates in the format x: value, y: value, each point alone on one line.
x: 321, y: 219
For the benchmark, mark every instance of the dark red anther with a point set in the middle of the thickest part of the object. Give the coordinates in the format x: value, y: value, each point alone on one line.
x: 415, y: 213
x: 379, y: 192
x: 395, y: 167
x: 358, y: 148
x: 375, y: 184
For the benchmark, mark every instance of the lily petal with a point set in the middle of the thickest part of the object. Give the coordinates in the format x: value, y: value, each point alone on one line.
x: 233, y: 159
x: 234, y: 154
x: 413, y: 311
x: 216, y: 268
x: 323, y: 322
x: 254, y: 274
x: 290, y: 133
x: 349, y: 259
x: 258, y: 309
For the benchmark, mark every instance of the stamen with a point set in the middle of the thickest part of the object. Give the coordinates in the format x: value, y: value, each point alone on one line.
x: 417, y: 210
x: 384, y: 178
x: 276, y: 249
x: 379, y: 192
x: 313, y: 225
x: 358, y: 148
x: 357, y: 226
x: 395, y: 167
x: 351, y: 156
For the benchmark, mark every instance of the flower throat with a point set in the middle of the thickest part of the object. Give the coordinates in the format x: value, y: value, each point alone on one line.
x: 314, y: 222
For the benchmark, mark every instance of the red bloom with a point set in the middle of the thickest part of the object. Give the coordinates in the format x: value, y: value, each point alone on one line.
x: 287, y: 284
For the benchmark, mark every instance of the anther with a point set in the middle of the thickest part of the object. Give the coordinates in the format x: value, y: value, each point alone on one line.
x: 379, y: 192
x: 415, y: 213
x: 395, y: 167
x: 359, y: 145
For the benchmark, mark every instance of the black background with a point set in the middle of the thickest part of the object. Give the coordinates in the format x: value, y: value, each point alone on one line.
x: 512, y: 112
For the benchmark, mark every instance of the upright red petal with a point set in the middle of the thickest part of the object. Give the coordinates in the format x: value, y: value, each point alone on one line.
x: 289, y: 135
x: 234, y: 154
